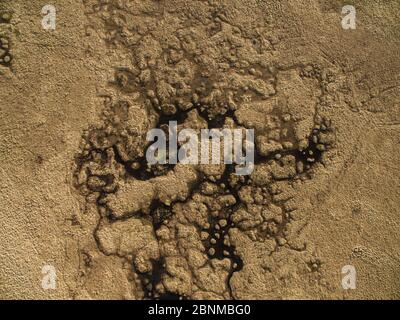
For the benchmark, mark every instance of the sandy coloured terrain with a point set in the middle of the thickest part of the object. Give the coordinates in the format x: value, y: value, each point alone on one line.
x: 77, y: 194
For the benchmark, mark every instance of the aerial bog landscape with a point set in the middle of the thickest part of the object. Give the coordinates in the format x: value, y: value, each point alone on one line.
x: 182, y: 149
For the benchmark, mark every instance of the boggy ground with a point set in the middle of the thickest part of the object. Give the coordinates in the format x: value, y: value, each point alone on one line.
x: 323, y: 103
